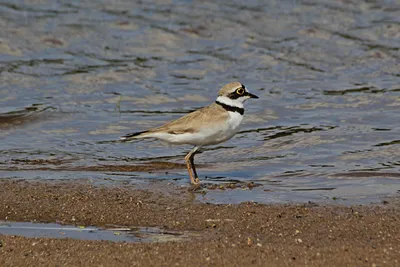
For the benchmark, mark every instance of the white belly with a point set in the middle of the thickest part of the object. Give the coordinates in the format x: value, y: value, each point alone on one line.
x: 215, y: 134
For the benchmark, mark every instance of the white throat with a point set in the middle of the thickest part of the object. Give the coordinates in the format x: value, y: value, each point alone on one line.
x: 230, y: 102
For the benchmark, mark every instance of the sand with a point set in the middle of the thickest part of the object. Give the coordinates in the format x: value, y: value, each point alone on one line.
x: 247, y: 234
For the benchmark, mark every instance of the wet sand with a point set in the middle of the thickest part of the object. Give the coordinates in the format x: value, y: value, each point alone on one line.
x: 248, y: 234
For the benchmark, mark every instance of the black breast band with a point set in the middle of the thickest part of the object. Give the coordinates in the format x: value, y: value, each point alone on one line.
x: 231, y: 108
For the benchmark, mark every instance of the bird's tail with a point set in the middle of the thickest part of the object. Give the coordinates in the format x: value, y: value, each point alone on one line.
x: 131, y: 136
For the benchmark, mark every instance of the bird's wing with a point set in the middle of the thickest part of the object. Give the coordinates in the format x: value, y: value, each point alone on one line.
x: 193, y: 122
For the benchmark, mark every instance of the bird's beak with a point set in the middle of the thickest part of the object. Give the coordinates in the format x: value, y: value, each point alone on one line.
x: 251, y: 95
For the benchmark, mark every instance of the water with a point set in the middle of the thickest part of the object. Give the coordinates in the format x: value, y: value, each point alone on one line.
x: 75, y: 75
x: 54, y: 230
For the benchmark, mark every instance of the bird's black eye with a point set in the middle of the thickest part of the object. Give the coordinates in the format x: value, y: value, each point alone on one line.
x: 240, y: 91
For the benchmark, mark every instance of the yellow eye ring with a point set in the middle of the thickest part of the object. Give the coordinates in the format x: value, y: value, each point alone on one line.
x: 240, y: 91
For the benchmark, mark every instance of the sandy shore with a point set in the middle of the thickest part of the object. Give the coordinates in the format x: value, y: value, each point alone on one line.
x: 247, y: 234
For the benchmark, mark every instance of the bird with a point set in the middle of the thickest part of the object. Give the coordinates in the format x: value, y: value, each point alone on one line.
x: 210, y: 125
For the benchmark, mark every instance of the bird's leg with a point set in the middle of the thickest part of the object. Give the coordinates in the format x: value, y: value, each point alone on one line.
x: 194, y: 167
x: 190, y: 166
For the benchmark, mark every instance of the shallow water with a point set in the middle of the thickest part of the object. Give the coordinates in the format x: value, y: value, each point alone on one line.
x: 77, y: 75
x: 115, y: 234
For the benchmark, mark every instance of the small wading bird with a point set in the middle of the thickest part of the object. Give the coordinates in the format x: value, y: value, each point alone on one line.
x: 210, y: 125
